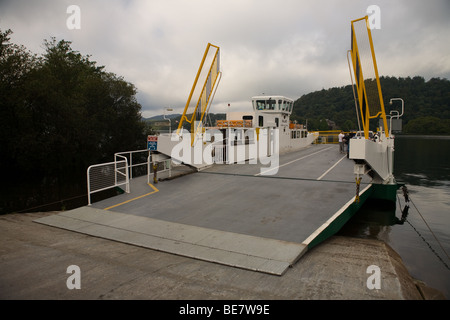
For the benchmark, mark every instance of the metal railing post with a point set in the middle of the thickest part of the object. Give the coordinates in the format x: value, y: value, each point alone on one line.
x: 131, y: 165
x: 148, y: 168
x: 89, y: 186
x: 127, y: 177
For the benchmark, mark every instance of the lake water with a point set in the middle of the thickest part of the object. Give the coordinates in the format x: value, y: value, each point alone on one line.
x: 423, y: 164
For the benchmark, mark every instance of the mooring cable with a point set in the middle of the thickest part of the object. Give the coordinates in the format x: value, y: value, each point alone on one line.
x: 408, y: 199
x: 430, y: 229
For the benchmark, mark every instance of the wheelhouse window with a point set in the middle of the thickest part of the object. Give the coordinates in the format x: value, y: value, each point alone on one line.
x: 260, y: 104
x: 266, y: 104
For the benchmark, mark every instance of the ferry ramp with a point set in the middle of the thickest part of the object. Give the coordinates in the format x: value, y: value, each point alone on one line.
x: 251, y: 216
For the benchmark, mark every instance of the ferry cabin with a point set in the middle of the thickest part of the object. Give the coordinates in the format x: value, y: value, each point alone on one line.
x: 263, y: 131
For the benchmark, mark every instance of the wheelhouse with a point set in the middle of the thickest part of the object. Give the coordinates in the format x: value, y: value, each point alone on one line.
x: 272, y: 104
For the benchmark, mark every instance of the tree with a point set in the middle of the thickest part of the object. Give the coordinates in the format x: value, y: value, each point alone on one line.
x: 16, y: 63
x: 80, y: 114
x: 348, y: 126
x: 428, y: 125
x: 60, y: 113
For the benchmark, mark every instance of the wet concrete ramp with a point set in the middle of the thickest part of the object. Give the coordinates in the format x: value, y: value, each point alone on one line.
x: 233, y: 249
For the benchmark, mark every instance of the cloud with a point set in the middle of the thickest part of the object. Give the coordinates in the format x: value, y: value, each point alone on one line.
x: 287, y: 47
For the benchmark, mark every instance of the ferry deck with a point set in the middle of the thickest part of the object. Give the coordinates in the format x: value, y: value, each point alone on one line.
x: 232, y: 214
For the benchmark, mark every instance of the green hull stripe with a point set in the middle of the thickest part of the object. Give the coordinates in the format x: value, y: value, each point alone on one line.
x: 385, y: 192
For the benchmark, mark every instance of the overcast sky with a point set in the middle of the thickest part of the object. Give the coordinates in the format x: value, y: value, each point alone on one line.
x: 276, y: 47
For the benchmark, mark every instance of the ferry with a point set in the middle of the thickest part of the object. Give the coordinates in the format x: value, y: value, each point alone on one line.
x: 229, y: 211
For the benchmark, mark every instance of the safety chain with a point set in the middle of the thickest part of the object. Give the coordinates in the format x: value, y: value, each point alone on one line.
x: 358, y: 183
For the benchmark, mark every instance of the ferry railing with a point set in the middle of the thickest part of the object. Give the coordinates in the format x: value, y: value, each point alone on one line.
x: 148, y: 166
x: 160, y: 166
x: 119, y: 172
x: 328, y: 137
x: 137, y: 160
x: 108, y: 175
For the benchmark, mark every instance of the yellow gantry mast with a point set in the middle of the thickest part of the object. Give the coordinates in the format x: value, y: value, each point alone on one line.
x: 368, y: 88
x: 195, y: 115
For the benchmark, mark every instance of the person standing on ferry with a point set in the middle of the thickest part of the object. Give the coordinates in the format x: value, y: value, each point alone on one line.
x: 341, y: 142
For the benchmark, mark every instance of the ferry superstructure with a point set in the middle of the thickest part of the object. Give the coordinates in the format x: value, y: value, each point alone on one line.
x: 262, y: 133
x: 273, y: 112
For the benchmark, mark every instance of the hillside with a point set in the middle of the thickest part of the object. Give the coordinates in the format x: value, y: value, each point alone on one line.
x: 159, y: 124
x: 161, y: 117
x: 427, y: 105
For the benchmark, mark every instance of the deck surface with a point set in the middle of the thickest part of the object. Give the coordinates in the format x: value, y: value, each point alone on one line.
x: 229, y: 214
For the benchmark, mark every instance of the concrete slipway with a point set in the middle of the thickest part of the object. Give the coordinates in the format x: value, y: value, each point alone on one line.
x: 275, y: 229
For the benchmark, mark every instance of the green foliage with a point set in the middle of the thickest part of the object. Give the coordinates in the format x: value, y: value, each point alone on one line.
x: 334, y: 104
x: 428, y: 125
x: 60, y: 113
x: 423, y: 99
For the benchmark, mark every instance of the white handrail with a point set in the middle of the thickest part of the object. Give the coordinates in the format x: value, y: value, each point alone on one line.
x: 102, y: 179
x: 131, y: 165
x: 117, y: 171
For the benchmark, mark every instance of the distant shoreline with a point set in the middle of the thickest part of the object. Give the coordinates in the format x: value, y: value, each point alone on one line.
x: 424, y: 136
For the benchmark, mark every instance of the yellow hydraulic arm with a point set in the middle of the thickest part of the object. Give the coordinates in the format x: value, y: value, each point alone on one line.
x: 195, y: 114
x: 368, y: 88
